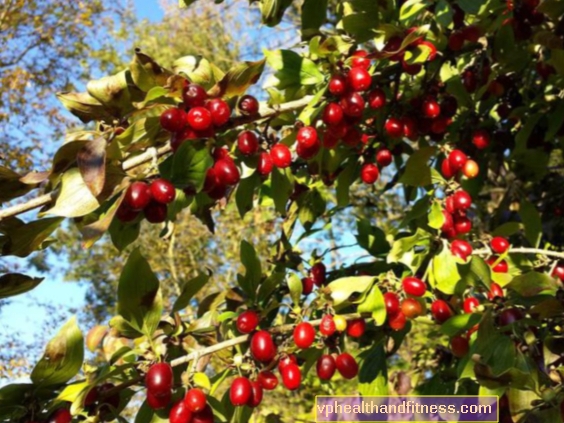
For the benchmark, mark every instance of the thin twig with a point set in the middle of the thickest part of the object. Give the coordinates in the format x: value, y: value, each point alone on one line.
x: 548, y: 253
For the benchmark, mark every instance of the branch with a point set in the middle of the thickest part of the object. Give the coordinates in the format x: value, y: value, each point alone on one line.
x: 548, y: 253
x: 148, y: 155
x: 218, y: 347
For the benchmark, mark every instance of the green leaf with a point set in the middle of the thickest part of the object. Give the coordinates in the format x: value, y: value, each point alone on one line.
x: 62, y: 358
x: 443, y: 13
x: 460, y: 323
x: 146, y: 73
x: 417, y: 170
x: 532, y: 221
x: 411, y: 8
x: 341, y: 289
x: 147, y: 415
x: 374, y: 303
x: 139, y: 295
x: 75, y: 199
x: 373, y: 371
x: 344, y: 182
x: 312, y: 206
x: 419, y: 54
x: 238, y: 79
x: 471, y: 7
x: 189, y: 289
x: 270, y: 284
x: 140, y: 134
x: 13, y: 284
x: 475, y: 273
x: 403, y: 246
x: 272, y: 11
x: 113, y: 92
x: 202, y: 380
x: 189, y: 166
x: 508, y: 229
x: 84, y: 106
x: 360, y: 25
x: 123, y: 234
x: 22, y: 239
x: 11, y: 186
x: 371, y: 238
x: 444, y: 275
x: 282, y: 187
x: 91, y: 161
x: 245, y: 193
x: 292, y: 69
x: 296, y: 288
x: 314, y: 14
x: 534, y: 283
x: 436, y: 216
x: 251, y: 280
x: 13, y: 399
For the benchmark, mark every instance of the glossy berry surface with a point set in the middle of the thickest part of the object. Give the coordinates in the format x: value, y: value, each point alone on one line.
x: 317, y: 273
x: 240, y: 391
x: 158, y: 403
x: 384, y: 157
x: 180, y: 413
x: 256, y: 394
x: 470, y: 304
x: 431, y: 108
x: 227, y: 172
x: 333, y: 114
x: 500, y: 267
x: 327, y: 326
x: 325, y: 367
x: 248, y: 105
x: 204, y: 416
x: 162, y: 191
x: 286, y: 361
x: 304, y: 335
x: 62, y: 415
x: 352, y: 104
x: 461, y: 248
x: 337, y: 85
x: 369, y: 173
x: 457, y: 159
x: 262, y: 347
x: 248, y: 143
x: 307, y: 286
x: 397, y: 322
x: 462, y: 200
x: 356, y: 328
x: 195, y: 399
x: 459, y: 346
x: 265, y: 164
x: 194, y: 95
x: 155, y: 212
x: 199, y: 118
x: 441, y: 311
x: 267, y: 380
x: 359, y: 59
x: 411, y: 308
x: 470, y: 169
x: 376, y: 98
x: 159, y: 379
x: 394, y: 127
x: 307, y: 137
x: 173, y: 120
x: 359, y: 79
x: 495, y: 291
x: 281, y: 156
x: 247, y: 321
x: 137, y: 196
x: 347, y: 365
x: 414, y: 286
x: 392, y: 303
x: 220, y: 111
x: 499, y: 245
x: 481, y: 139
x: 340, y: 323
x: 291, y: 376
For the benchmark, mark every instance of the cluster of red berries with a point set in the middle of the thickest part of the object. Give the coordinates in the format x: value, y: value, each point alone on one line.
x: 223, y: 174
x: 316, y: 277
x: 150, y: 198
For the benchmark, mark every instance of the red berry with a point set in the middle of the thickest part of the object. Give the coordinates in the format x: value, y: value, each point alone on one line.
x: 432, y: 48
x: 462, y: 225
x: 411, y: 308
x: 256, y: 394
x: 326, y: 367
x: 470, y: 304
x: 194, y: 95
x: 281, y: 156
x: 162, y: 191
x: 304, y: 335
x: 409, y: 128
x: 286, y: 361
x: 558, y: 272
x: 448, y: 224
x: 195, y: 400
x: 125, y: 214
x: 308, y: 152
x: 397, y: 322
x: 158, y: 403
x: 240, y: 391
x: 462, y: 200
x: 449, y: 204
x: 220, y: 111
x: 267, y: 380
x: 410, y: 69
x: 446, y: 169
x: 501, y: 267
x: 359, y: 59
x: 499, y: 245
x: 337, y: 85
x: 137, y: 196
x: 359, y: 79
x: 262, y: 347
x: 317, y: 273
x: 481, y: 139
x: 431, y: 108
x: 333, y: 114
x: 441, y: 311
x: 353, y: 137
x: 180, y: 413
x: 461, y: 249
x: 307, y: 136
x: 62, y: 415
x: 471, y: 33
x: 495, y: 291
x: 173, y: 120
x: 307, y: 286
x: 291, y: 376
x: 327, y: 326
x: 414, y: 286
x: 347, y: 365
x: 159, y: 379
x: 356, y: 328
x: 155, y: 212
x: 369, y: 173
x: 247, y: 321
x: 220, y: 153
x: 456, y: 160
x: 392, y: 304
x: 384, y: 157
x: 459, y: 346
x: 247, y: 143
x: 376, y: 98
x: 248, y: 105
x: 393, y: 46
x: 456, y: 41
x: 264, y: 166
x: 352, y: 104
x: 509, y: 316
x: 227, y: 172
x: 204, y: 416
x: 199, y: 118
x: 394, y: 127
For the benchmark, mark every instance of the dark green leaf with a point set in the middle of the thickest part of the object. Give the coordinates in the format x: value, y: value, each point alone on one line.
x: 189, y: 166
x: 344, y: 182
x: 460, y: 323
x: 62, y: 358
x: 10, y: 185
x: 372, y: 238
x: 312, y: 206
x: 532, y: 221
x: 272, y: 11
x: 417, y: 170
x: 314, y: 13
x: 296, y: 287
x: 471, y: 6
x: 238, y: 79
x: 24, y: 239
x: 245, y: 193
x: 534, y: 283
x: 374, y: 303
x: 15, y: 284
x: 189, y: 289
x: 282, y: 188
x: 373, y: 371
x: 251, y: 280
x: 444, y: 275
x: 293, y: 69
x: 476, y: 273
